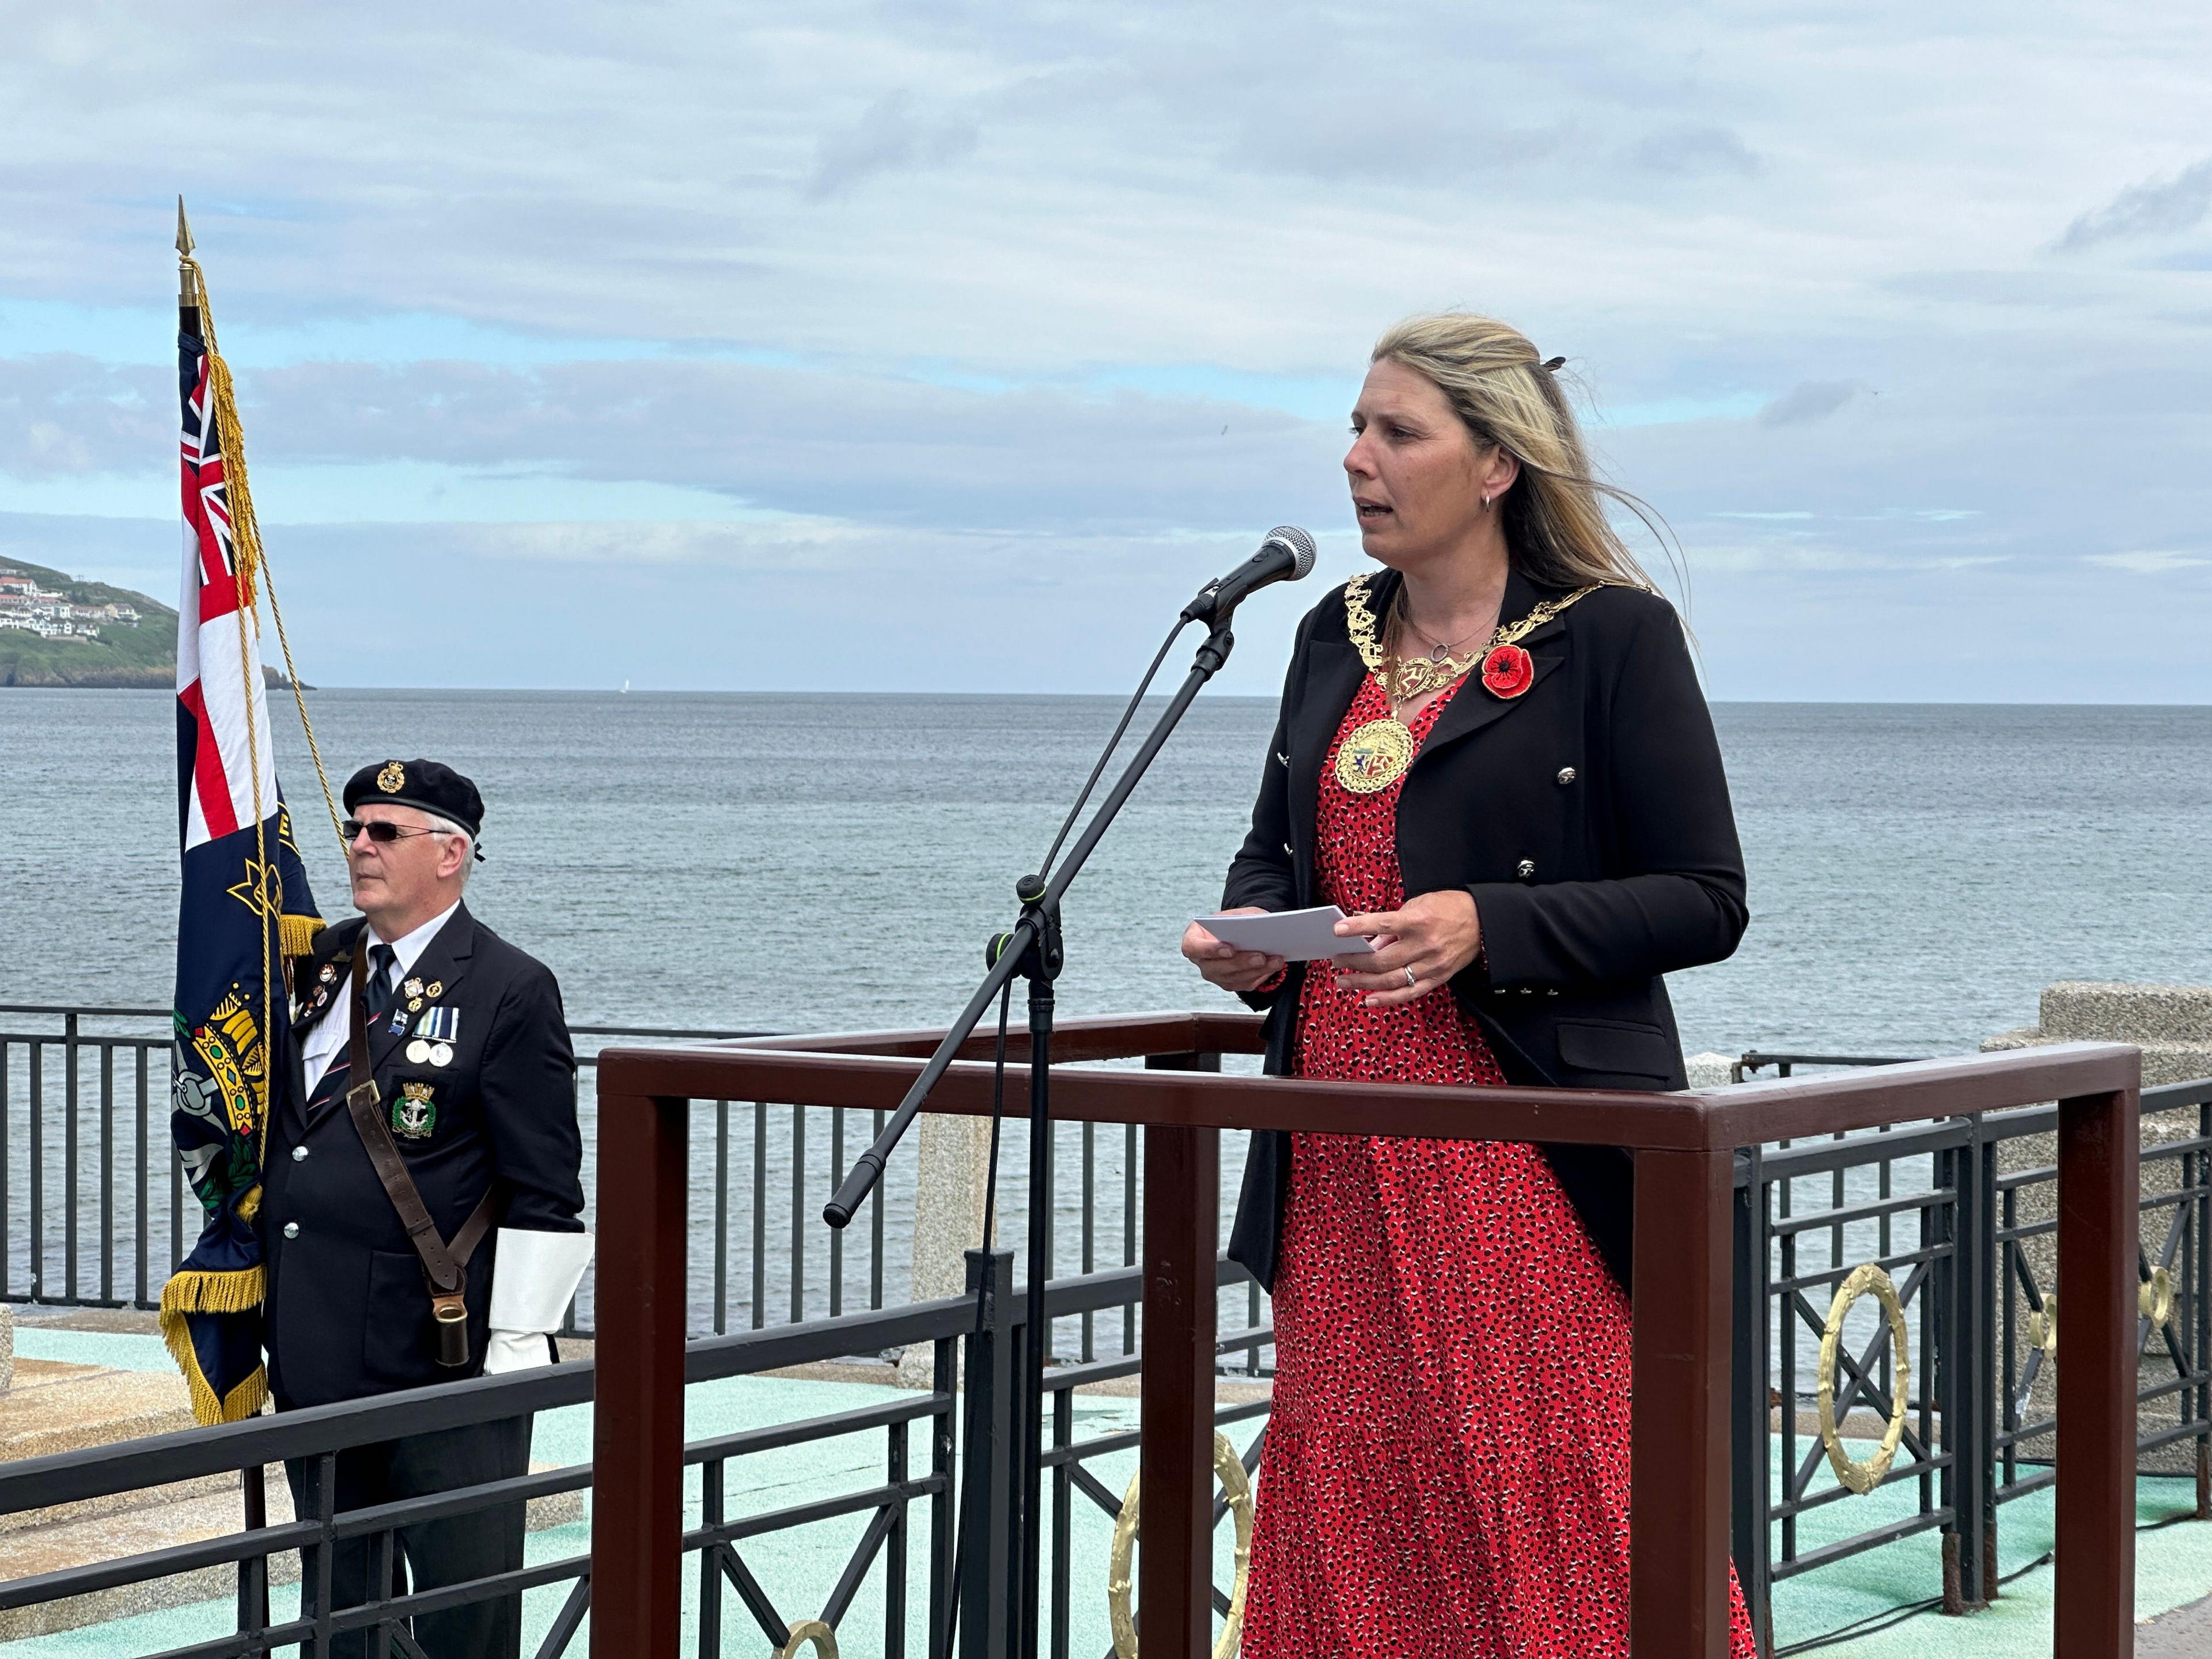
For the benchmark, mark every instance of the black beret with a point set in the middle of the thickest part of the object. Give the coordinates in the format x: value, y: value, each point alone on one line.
x: 423, y: 784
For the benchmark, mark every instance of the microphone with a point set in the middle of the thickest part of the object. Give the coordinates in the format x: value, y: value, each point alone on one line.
x: 1285, y: 557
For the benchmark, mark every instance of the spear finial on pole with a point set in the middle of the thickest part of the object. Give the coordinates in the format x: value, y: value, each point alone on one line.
x: 187, y: 290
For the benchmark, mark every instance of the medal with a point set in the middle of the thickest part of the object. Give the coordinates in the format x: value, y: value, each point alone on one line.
x: 413, y: 987
x: 417, y: 1052
x: 441, y: 1054
x: 1375, y: 756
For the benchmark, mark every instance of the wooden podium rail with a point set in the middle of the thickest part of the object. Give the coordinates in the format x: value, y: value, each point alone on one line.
x: 1679, y: 1439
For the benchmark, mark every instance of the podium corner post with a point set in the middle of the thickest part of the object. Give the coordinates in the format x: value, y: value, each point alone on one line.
x: 1182, y: 1196
x: 1679, y: 1429
x: 637, y: 1420
x: 2100, y: 1156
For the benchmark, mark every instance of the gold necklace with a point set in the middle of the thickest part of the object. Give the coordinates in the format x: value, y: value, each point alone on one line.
x: 1377, y: 754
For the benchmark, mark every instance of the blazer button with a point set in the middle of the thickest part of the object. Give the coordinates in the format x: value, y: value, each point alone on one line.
x: 1525, y: 869
x: 1566, y: 774
x: 291, y: 1230
x: 1282, y: 758
x: 299, y: 1154
x: 1287, y: 851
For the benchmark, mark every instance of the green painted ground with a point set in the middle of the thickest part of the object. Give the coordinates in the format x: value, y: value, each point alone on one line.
x: 801, y: 1568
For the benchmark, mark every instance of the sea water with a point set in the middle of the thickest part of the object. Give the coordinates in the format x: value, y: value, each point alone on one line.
x: 1917, y: 874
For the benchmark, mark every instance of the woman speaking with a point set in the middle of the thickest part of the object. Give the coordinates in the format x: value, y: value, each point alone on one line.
x: 1492, y: 754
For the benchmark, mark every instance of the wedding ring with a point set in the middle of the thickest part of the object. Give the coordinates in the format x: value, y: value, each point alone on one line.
x: 1412, y: 979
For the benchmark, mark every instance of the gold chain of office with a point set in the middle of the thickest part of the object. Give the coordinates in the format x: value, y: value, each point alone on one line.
x: 1405, y: 678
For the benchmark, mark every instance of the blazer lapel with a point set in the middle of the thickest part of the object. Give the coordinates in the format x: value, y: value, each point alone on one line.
x: 1472, y: 707
x: 334, y: 953
x: 444, y: 961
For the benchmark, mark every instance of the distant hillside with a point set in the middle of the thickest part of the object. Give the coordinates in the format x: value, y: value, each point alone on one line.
x: 138, y: 652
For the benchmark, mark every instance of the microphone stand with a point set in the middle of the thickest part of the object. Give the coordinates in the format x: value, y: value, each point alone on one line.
x: 1034, y: 950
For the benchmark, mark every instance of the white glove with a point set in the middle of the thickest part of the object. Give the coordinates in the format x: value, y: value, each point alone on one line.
x: 517, y: 1351
x: 534, y: 1277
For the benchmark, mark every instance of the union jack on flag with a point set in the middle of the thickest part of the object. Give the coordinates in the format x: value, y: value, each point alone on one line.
x: 245, y: 906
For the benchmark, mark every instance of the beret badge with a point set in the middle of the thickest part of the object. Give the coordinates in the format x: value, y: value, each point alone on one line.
x: 1507, y: 672
x: 392, y: 779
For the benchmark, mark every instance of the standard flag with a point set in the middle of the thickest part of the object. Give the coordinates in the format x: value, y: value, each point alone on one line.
x: 245, y: 906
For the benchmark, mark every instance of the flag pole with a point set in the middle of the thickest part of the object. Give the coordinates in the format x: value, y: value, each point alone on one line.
x: 252, y: 1487
x: 188, y: 294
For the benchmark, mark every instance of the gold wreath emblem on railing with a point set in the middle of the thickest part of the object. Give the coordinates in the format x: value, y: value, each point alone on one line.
x: 1238, y: 1487
x: 2043, y: 1328
x: 1862, y: 1476
x: 2155, y: 1299
x: 824, y: 1640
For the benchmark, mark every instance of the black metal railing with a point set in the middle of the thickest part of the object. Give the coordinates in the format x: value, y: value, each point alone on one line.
x: 911, y: 1598
x: 1957, y: 1214
x: 1960, y: 1217
x: 94, y: 1210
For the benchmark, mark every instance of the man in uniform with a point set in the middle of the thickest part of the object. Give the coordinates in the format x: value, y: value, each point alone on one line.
x: 470, y: 1119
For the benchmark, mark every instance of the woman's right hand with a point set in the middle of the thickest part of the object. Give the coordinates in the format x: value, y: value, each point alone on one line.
x: 1224, y: 965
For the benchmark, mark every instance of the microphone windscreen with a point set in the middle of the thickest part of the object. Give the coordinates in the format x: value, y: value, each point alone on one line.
x: 1301, y: 546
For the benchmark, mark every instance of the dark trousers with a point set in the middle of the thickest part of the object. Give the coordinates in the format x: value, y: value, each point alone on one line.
x: 430, y: 1553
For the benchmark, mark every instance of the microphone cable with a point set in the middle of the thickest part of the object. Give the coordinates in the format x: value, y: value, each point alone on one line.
x: 1113, y: 743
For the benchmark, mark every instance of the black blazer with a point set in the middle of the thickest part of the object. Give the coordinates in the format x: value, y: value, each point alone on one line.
x: 1589, y: 817
x: 347, y: 1312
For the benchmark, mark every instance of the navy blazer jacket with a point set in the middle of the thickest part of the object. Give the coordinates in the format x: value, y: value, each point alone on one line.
x: 1589, y: 819
x: 348, y: 1311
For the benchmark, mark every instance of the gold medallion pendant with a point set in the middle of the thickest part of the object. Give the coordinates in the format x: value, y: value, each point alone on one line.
x: 1375, y: 756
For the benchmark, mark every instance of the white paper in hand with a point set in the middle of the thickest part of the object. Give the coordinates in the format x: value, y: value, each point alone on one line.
x: 1297, y: 935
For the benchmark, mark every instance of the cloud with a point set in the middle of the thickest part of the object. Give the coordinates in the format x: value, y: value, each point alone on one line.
x: 2153, y: 210
x: 891, y: 136
x: 61, y: 413
x: 979, y: 286
x: 1696, y: 149
x: 2146, y: 563
x: 1809, y: 401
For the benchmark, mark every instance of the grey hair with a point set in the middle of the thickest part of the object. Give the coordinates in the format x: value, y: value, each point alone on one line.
x: 445, y: 826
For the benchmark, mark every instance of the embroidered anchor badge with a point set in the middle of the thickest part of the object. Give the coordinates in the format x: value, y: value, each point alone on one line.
x: 414, y: 1114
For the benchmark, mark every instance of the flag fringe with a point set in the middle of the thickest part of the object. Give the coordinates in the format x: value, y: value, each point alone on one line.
x: 295, y: 935
x: 212, y: 1293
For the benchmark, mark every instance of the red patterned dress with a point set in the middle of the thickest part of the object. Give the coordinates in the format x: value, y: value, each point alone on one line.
x: 1447, y: 1463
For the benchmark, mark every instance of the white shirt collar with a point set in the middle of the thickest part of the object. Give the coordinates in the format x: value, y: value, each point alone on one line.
x: 407, y: 948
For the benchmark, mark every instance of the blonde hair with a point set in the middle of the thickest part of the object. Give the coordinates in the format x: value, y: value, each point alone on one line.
x: 1556, y: 530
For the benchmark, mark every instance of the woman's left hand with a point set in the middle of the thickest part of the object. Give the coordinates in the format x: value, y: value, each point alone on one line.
x: 1435, y: 936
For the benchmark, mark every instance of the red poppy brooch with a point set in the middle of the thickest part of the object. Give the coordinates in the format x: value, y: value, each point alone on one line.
x: 1507, y: 672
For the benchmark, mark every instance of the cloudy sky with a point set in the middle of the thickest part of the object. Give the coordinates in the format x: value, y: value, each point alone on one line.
x: 951, y: 346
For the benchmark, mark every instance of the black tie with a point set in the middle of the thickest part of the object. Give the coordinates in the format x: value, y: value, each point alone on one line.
x: 376, y: 997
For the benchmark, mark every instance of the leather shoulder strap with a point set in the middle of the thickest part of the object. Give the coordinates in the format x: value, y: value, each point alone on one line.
x: 362, y: 1098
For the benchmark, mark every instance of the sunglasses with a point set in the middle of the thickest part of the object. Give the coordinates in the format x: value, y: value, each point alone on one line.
x: 381, y: 833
